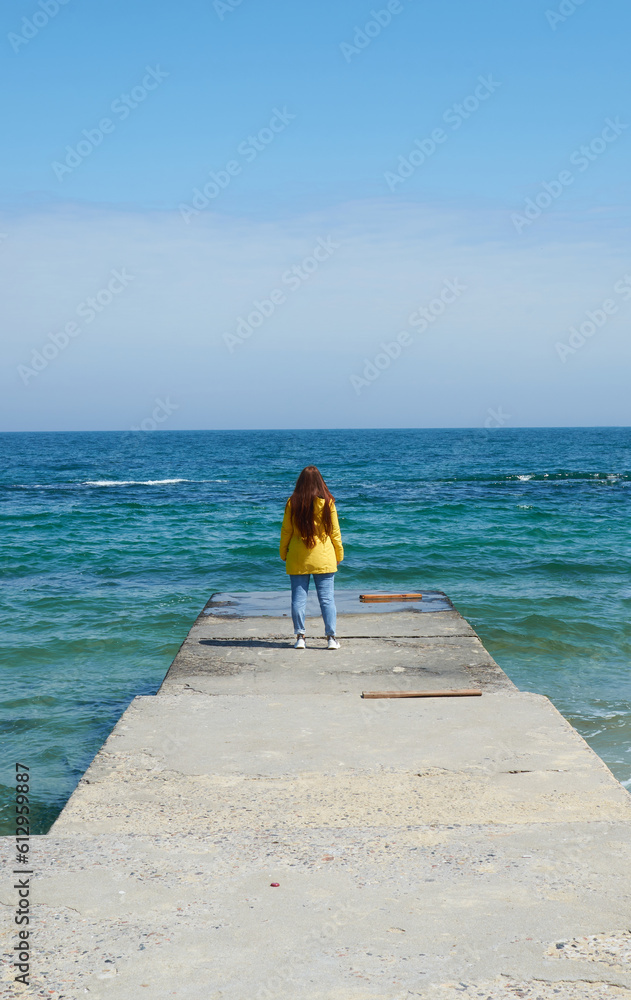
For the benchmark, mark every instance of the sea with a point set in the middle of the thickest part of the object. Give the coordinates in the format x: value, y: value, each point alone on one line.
x: 111, y: 544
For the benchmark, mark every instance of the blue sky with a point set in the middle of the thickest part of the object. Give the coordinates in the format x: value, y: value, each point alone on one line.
x: 421, y: 142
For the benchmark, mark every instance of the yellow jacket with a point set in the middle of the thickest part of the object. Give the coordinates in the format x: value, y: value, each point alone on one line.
x: 327, y: 551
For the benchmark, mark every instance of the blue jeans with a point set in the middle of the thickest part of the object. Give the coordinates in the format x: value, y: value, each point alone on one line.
x: 324, y: 588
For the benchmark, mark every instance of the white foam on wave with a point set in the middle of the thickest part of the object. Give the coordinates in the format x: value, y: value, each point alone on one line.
x: 111, y: 482
x: 524, y: 479
x: 132, y: 482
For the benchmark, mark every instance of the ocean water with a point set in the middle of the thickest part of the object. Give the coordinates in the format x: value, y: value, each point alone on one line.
x: 112, y: 542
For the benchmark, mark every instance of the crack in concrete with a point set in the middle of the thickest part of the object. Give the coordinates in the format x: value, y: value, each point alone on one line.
x: 383, y: 638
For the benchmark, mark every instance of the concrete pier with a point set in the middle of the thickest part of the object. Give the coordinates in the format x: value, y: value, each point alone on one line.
x: 438, y: 848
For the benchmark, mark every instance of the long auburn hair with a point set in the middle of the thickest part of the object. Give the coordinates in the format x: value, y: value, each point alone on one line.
x: 310, y: 485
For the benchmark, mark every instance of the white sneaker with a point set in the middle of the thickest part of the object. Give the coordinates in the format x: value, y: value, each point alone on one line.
x: 300, y: 642
x: 333, y: 643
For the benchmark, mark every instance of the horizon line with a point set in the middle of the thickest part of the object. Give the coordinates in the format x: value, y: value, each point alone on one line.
x: 293, y: 430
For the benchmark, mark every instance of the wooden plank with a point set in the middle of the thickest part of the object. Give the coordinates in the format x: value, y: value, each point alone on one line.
x: 390, y: 597
x: 462, y: 693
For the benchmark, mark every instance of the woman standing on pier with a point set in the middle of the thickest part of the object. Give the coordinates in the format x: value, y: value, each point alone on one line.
x: 311, y: 543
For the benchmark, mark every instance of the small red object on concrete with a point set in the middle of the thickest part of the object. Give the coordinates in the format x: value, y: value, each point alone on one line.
x: 275, y: 884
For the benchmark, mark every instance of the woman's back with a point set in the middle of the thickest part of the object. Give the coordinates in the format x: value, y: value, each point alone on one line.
x: 327, y: 549
x: 311, y: 544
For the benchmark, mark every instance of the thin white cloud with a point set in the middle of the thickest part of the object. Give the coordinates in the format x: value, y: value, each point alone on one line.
x: 169, y: 329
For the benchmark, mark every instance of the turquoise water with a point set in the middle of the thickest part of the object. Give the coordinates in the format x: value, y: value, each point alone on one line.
x: 112, y: 542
